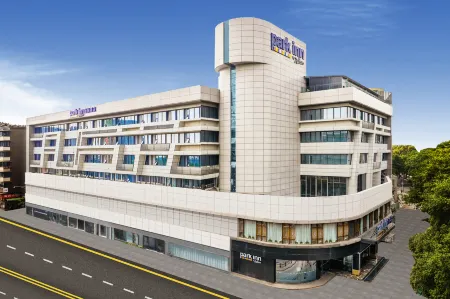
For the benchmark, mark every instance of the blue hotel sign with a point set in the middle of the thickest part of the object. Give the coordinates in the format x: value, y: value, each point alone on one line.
x: 286, y: 48
x: 81, y: 112
x: 384, y: 224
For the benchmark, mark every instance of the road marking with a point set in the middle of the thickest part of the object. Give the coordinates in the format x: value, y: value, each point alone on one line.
x: 38, y: 283
x: 113, y: 259
x: 108, y: 283
x: 87, y: 275
x: 47, y: 261
x: 147, y: 297
x: 10, y: 247
x: 3, y: 293
x: 30, y: 254
x: 127, y: 290
x: 67, y: 268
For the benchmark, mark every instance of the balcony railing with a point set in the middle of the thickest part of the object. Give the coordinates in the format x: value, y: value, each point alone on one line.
x: 376, y: 165
x: 35, y: 162
x: 367, y: 125
x: 155, y: 147
x: 205, y: 170
x: 65, y: 164
x: 125, y: 167
x: 37, y: 136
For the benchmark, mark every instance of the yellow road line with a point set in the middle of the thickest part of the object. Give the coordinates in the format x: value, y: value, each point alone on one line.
x: 114, y: 259
x: 39, y: 284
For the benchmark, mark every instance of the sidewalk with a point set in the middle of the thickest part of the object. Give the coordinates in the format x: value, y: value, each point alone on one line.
x: 337, y: 288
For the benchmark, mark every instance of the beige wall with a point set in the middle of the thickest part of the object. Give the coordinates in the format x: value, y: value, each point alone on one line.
x: 267, y: 83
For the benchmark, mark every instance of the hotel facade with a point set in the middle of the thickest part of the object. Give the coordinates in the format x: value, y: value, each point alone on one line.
x: 274, y: 174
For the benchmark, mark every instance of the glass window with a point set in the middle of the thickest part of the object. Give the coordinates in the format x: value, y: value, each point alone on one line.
x: 337, y: 113
x: 72, y: 222
x: 80, y: 224
x: 317, y: 233
x: 89, y: 227
x: 361, y: 182
x: 153, y: 244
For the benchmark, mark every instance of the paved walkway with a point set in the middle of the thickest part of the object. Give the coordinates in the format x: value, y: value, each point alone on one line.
x: 392, y: 282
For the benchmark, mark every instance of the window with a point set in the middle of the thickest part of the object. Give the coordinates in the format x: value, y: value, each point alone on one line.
x: 89, y: 227
x: 361, y: 182
x: 317, y: 234
x: 37, y: 157
x: 35, y: 143
x: 126, y: 140
x: 72, y: 222
x: 365, y: 221
x: 101, y: 231
x: 209, y: 136
x: 363, y: 158
x: 128, y: 159
x: 125, y: 236
x: 342, y: 231
x: 52, y: 142
x: 326, y: 136
x: 370, y: 220
x: 375, y: 157
x: 288, y: 233
x: 385, y: 156
x: 380, y: 139
x: 68, y: 157
x: 105, y: 159
x: 312, y: 186
x: 80, y: 224
x: 51, y: 157
x: 261, y: 231
x: 70, y: 142
x: 364, y: 137
x: 153, y: 244
x: 209, y: 112
x: 331, y: 159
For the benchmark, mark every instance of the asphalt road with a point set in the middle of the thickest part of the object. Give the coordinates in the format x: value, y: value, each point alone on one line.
x: 11, y: 287
x: 79, y: 272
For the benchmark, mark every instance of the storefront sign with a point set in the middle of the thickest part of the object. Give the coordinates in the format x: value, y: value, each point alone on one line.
x: 250, y: 258
x: 81, y: 112
x: 6, y: 196
x: 286, y: 48
x: 384, y: 224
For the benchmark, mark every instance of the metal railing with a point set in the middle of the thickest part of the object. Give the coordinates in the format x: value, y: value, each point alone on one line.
x: 195, y: 170
x: 155, y: 147
x: 343, y: 84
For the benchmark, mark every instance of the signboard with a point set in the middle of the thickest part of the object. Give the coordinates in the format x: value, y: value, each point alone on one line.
x: 6, y: 196
x: 81, y: 112
x: 286, y: 48
x: 251, y: 258
x: 384, y: 224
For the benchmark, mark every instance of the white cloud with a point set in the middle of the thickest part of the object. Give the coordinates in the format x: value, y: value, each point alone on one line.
x: 20, y: 99
x: 349, y: 18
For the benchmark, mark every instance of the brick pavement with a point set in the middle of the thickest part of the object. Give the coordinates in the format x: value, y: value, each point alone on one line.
x: 392, y: 282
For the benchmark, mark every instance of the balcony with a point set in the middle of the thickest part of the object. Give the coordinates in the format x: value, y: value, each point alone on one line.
x: 5, y: 159
x: 125, y: 167
x: 5, y: 169
x: 205, y: 170
x: 65, y: 164
x: 367, y: 125
x: 3, y: 179
x: 37, y: 135
x: 35, y: 162
x: 155, y: 147
x: 4, y: 148
x: 5, y: 138
x: 376, y: 165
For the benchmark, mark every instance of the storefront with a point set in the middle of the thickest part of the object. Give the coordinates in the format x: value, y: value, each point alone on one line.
x: 286, y: 264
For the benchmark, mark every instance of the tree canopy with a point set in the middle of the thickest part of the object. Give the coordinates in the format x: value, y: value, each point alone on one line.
x: 402, y: 156
x: 430, y: 191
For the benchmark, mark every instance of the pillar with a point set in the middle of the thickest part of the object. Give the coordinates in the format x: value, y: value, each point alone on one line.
x: 356, y: 267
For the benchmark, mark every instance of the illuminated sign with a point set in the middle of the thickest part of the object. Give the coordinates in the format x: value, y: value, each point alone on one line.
x: 286, y: 48
x: 384, y: 224
x: 81, y: 112
x: 250, y: 258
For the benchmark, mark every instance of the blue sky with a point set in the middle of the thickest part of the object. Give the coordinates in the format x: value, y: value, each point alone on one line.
x: 56, y: 55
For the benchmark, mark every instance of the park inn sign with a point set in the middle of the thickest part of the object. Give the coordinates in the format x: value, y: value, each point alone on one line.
x: 286, y: 48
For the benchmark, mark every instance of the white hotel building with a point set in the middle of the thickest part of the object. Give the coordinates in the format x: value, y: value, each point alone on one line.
x: 269, y: 169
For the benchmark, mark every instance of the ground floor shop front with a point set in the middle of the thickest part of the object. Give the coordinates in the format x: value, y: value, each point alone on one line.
x: 298, y: 265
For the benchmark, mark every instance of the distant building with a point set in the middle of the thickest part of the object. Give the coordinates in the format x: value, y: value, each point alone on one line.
x: 12, y: 159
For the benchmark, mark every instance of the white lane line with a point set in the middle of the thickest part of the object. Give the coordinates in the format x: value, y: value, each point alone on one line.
x: 87, y: 275
x: 147, y: 297
x: 129, y: 291
x: 3, y: 293
x: 108, y: 283
x: 67, y: 268
x: 30, y: 254
x: 10, y: 247
x: 47, y: 261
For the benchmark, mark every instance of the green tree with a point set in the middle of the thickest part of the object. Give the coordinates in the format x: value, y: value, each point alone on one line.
x: 430, y: 178
x: 402, y: 156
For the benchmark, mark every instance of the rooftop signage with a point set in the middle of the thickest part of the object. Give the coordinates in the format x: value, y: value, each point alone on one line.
x: 81, y: 112
x: 286, y: 48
